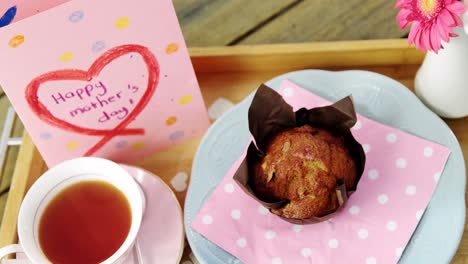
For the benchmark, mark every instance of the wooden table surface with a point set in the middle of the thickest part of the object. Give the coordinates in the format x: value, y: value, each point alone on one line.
x: 237, y: 22
x: 241, y: 22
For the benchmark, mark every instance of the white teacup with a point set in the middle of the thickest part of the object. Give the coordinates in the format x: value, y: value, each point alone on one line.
x: 60, y: 177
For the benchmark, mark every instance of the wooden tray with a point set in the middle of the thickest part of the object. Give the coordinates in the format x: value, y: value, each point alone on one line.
x: 233, y: 73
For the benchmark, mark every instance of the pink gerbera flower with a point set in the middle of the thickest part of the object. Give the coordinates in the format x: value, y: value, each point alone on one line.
x: 433, y: 21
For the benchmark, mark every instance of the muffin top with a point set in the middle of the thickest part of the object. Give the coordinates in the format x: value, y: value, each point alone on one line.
x: 304, y: 165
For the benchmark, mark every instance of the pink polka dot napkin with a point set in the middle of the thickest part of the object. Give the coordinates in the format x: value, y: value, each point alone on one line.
x: 401, y: 174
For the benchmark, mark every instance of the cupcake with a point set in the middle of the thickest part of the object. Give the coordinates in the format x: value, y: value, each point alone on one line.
x: 301, y: 165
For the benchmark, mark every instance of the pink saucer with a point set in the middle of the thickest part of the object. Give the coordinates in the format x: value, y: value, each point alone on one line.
x: 161, y: 236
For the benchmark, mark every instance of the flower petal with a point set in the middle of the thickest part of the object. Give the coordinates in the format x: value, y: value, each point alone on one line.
x: 404, y: 24
x: 443, y: 33
x: 402, y: 18
x: 456, y: 7
x: 402, y: 3
x: 447, y: 18
x: 458, y: 21
x: 415, y: 28
x: 425, y: 38
x: 449, y: 2
x: 434, y: 38
x: 418, y: 40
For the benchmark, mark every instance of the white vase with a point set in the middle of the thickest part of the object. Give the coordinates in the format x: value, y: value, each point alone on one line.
x: 442, y: 81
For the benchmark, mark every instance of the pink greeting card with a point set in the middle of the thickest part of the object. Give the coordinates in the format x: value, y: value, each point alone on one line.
x: 102, y: 78
x: 400, y: 176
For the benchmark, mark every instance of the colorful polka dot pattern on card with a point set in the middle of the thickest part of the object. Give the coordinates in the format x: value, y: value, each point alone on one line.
x: 76, y: 16
x: 121, y: 144
x: 400, y: 176
x: 172, y: 48
x: 8, y: 16
x: 45, y: 135
x: 138, y: 146
x: 185, y: 99
x: 67, y: 56
x: 122, y: 22
x: 177, y: 135
x: 171, y: 120
x: 16, y: 41
x: 98, y: 46
x: 72, y: 145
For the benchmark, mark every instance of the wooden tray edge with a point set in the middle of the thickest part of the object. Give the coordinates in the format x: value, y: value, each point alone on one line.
x: 31, y: 165
x: 304, y: 55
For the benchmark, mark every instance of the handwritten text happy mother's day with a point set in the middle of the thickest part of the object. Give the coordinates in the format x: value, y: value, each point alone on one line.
x: 99, y: 99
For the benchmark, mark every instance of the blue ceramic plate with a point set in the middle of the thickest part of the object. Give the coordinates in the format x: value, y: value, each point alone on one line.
x: 380, y: 98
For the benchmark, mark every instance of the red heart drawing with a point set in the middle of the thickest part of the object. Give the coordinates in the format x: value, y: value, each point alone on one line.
x: 73, y: 74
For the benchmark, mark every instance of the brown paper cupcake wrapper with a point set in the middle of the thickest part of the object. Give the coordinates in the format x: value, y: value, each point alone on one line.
x: 270, y: 114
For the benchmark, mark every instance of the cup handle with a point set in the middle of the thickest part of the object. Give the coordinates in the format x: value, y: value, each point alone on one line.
x: 10, y: 249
